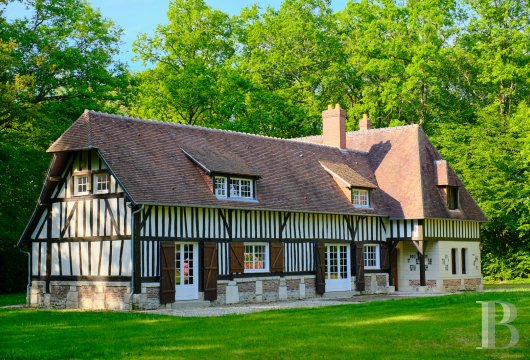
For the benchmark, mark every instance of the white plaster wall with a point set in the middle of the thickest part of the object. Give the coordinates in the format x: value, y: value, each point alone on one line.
x: 409, y: 267
x: 473, y: 259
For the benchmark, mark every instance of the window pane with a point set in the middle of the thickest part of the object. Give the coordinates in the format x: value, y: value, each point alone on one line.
x: 255, y: 257
x: 220, y: 186
x: 102, y: 182
x: 82, y: 184
x: 246, y: 188
x: 235, y: 186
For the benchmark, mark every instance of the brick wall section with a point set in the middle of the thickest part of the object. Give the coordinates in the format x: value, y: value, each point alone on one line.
x: 451, y: 284
x: 380, y: 280
x: 431, y: 284
x: 310, y: 287
x: 221, y: 289
x: 247, y: 291
x: 293, y: 285
x: 472, y: 284
x: 58, y: 296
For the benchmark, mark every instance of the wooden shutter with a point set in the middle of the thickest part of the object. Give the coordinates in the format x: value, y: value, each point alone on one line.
x: 276, y: 257
x: 385, y: 257
x: 359, y: 266
x: 167, y: 273
x: 209, y: 270
x: 237, y: 257
x: 320, y: 261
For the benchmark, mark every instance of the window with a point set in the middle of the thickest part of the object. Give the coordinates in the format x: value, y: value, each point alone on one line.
x: 453, y: 261
x: 256, y: 257
x: 463, y: 259
x: 360, y: 198
x: 371, y: 257
x: 452, y: 198
x: 219, y: 184
x: 241, y: 188
x: 102, y: 183
x: 82, y: 185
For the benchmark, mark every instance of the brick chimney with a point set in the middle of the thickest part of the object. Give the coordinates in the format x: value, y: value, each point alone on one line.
x: 365, y: 123
x: 442, y: 173
x: 334, y: 127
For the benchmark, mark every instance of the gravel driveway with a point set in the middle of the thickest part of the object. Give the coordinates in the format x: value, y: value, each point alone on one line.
x: 220, y: 310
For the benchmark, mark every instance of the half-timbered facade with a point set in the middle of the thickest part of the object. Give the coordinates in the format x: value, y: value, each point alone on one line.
x: 140, y: 213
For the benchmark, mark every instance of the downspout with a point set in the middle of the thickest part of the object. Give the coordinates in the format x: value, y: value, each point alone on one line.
x: 132, y: 256
x: 29, y: 276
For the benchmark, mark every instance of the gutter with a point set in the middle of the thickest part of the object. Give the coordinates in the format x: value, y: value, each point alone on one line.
x: 28, y: 287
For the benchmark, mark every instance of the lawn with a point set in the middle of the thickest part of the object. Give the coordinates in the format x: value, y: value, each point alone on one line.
x: 12, y: 299
x: 435, y: 327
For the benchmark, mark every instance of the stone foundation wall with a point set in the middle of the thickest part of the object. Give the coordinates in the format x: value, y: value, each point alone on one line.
x: 374, y: 283
x: 92, y: 295
x: 469, y: 284
x: 265, y: 289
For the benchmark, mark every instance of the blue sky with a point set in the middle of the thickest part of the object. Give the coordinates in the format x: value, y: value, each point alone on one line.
x: 142, y: 16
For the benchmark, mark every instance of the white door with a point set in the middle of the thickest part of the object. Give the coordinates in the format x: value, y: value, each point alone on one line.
x: 186, y: 271
x: 337, y: 268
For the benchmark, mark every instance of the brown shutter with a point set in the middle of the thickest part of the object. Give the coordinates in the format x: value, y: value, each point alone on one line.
x: 209, y: 270
x: 276, y: 257
x: 385, y: 257
x: 320, y: 261
x: 359, y: 266
x: 237, y: 257
x: 167, y: 273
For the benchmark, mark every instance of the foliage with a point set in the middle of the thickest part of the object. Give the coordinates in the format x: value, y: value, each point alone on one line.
x: 364, y: 331
x: 459, y: 68
x: 54, y: 63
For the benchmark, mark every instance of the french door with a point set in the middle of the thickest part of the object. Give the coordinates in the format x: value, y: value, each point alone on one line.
x: 337, y: 268
x: 186, y: 271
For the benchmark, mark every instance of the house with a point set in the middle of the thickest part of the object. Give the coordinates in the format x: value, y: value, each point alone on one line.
x: 143, y: 214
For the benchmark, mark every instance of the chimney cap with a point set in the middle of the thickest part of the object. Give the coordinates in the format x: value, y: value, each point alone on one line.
x: 330, y: 106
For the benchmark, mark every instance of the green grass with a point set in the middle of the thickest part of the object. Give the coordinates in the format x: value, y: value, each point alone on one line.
x: 12, y: 299
x: 434, y: 327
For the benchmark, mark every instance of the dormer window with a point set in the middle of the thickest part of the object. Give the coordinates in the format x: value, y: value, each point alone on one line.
x: 241, y: 188
x: 235, y: 188
x: 453, y: 198
x: 360, y: 198
x: 219, y: 183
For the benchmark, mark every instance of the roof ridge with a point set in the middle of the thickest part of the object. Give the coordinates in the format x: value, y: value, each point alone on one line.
x: 384, y: 129
x: 167, y: 123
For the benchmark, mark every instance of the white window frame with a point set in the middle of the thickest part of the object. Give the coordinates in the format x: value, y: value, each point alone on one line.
x: 224, y: 188
x: 356, y: 198
x: 377, y: 259
x: 77, y: 178
x: 238, y: 195
x: 265, y: 260
x: 97, y: 182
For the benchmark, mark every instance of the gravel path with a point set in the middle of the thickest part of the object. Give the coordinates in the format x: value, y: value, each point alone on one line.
x: 220, y: 310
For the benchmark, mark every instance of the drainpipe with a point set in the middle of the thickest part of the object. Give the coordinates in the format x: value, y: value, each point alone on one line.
x: 132, y: 255
x: 29, y: 276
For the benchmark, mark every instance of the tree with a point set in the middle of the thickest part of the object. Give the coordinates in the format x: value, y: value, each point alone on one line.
x: 290, y: 57
x: 398, y: 53
x: 56, y: 62
x: 189, y: 81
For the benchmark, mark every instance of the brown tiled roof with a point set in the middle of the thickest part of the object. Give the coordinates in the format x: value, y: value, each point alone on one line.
x: 347, y: 174
x: 403, y: 160
x: 215, y: 162
x: 147, y: 159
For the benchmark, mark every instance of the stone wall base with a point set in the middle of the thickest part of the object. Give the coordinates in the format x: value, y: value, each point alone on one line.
x: 447, y: 285
x: 90, y: 295
x: 265, y: 289
x: 376, y: 283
